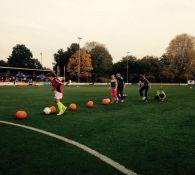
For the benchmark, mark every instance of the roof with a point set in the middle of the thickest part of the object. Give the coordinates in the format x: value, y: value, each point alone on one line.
x: 20, y: 68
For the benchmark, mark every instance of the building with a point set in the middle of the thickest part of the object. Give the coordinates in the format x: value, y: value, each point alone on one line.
x: 8, y: 74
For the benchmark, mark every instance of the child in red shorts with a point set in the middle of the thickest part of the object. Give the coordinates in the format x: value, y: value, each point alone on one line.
x: 57, y: 88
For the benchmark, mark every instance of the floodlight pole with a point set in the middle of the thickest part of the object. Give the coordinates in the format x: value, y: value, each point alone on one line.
x: 127, y: 68
x: 79, y: 64
x: 41, y: 58
x: 64, y: 73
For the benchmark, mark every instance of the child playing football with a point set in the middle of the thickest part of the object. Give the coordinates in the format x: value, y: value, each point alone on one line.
x: 57, y: 88
x: 160, y: 95
x: 120, y: 87
x: 113, y: 89
x: 144, y: 86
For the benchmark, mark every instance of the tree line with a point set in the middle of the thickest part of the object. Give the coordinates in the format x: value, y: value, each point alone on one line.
x: 177, y: 64
x: 91, y: 63
x: 22, y: 57
x: 94, y: 63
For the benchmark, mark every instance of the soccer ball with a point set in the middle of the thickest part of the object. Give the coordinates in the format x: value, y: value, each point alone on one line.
x: 143, y: 98
x: 47, y: 110
x: 108, y: 100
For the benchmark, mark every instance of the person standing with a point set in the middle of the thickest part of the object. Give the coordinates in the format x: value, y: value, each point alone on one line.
x: 120, y: 87
x: 113, y: 89
x: 144, y: 87
x: 14, y: 79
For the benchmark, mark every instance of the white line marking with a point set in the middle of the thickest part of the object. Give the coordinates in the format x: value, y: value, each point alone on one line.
x: 102, y: 157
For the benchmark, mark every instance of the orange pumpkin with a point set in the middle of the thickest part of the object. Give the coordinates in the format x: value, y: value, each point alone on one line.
x: 89, y: 104
x: 21, y: 114
x: 53, y: 109
x: 105, y: 101
x: 73, y: 107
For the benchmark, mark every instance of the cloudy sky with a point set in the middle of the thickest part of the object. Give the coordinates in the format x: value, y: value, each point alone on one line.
x: 142, y: 27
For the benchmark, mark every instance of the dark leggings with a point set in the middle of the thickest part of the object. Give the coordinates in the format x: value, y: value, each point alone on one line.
x: 120, y: 93
x: 145, y: 89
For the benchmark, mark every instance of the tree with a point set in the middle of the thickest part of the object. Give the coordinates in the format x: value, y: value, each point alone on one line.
x: 150, y: 66
x: 61, y: 58
x: 22, y: 57
x: 35, y: 64
x: 60, y: 61
x: 85, y: 68
x: 166, y: 73
x: 121, y: 67
x: 101, y: 62
x: 181, y: 52
x: 164, y: 60
x: 3, y: 63
x: 73, y: 48
x: 193, y: 70
x: 91, y: 45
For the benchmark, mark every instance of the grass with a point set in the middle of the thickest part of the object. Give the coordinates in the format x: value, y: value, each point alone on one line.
x: 149, y: 138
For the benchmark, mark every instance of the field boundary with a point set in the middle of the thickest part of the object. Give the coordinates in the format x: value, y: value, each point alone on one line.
x: 85, y: 148
x: 86, y: 84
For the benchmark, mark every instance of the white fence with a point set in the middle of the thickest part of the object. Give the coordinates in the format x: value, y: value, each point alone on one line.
x: 6, y: 83
x: 191, y: 82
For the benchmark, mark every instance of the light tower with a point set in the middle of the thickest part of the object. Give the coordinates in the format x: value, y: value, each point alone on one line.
x: 127, y: 67
x: 79, y: 65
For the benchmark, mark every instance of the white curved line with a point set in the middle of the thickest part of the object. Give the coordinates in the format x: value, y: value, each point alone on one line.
x: 102, y: 157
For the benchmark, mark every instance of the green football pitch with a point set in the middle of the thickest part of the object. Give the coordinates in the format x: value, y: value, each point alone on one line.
x: 148, y: 138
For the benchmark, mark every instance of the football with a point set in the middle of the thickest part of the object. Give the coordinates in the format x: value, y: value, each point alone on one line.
x: 47, y: 110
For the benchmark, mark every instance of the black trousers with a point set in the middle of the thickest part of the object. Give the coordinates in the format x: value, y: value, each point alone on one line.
x: 156, y: 97
x: 120, y: 93
x: 144, y: 91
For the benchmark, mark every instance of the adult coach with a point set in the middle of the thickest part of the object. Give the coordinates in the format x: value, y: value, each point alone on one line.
x: 144, y: 87
x: 120, y: 87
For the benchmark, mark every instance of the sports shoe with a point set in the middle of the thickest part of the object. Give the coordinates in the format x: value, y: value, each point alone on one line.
x: 64, y: 108
x: 62, y: 111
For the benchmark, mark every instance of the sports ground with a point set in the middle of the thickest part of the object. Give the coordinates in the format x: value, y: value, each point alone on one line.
x: 148, y: 138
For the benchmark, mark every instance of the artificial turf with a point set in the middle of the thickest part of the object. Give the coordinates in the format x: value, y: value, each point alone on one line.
x: 149, y: 138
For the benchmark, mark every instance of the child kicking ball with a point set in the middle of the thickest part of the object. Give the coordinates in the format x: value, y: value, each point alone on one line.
x: 144, y: 87
x: 57, y: 88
